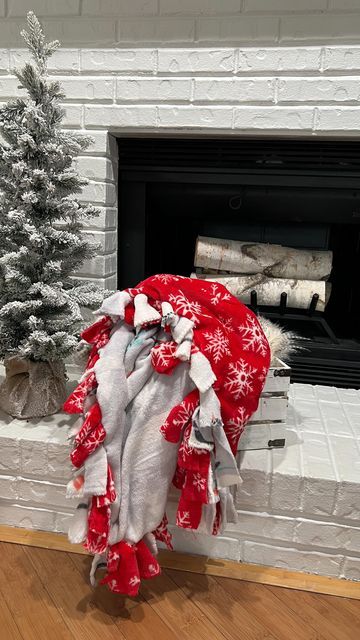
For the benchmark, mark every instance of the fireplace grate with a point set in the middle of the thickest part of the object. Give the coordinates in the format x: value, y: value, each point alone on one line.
x: 309, y: 370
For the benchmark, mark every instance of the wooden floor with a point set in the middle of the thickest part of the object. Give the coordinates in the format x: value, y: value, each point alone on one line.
x: 45, y: 595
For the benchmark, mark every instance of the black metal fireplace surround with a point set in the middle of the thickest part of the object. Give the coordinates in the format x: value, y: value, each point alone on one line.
x: 299, y: 193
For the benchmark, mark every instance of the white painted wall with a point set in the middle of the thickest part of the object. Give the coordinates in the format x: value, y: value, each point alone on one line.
x: 274, y: 67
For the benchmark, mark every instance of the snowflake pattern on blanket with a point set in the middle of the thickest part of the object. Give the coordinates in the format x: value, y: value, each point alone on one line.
x: 194, y: 324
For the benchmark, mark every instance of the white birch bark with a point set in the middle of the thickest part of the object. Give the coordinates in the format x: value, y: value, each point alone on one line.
x: 299, y: 292
x: 274, y: 261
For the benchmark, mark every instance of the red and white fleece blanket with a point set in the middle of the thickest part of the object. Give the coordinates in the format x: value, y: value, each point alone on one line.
x: 175, y: 371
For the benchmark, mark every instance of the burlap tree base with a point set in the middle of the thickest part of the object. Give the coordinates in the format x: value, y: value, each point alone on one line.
x: 32, y: 389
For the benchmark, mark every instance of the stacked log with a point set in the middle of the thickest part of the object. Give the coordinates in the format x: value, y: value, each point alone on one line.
x: 269, y: 269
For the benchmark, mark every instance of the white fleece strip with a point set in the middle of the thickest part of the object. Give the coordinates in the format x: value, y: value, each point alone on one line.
x: 201, y: 372
x: 144, y: 312
x: 114, y: 305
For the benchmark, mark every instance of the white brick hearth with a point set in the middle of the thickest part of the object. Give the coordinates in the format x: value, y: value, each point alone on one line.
x: 298, y: 507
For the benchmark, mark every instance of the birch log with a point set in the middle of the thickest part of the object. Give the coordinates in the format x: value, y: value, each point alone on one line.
x: 273, y: 260
x: 299, y: 292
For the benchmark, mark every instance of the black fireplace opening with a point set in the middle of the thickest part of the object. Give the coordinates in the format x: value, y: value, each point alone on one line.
x: 298, y: 193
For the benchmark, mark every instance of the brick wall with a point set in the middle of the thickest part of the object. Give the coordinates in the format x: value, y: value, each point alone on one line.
x: 287, y: 67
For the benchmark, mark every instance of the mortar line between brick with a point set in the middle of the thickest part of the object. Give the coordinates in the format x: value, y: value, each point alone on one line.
x: 292, y: 544
x: 302, y: 479
x: 278, y: 543
x: 276, y: 90
x: 192, y: 89
x: 236, y: 60
x: 328, y: 441
x: 297, y: 518
x: 315, y: 119
x: 38, y: 506
x: 303, y: 516
x: 343, y: 405
x: 341, y: 567
x: 322, y: 60
x: 156, y: 62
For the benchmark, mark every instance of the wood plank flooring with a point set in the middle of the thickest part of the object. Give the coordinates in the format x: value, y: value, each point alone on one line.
x: 45, y: 595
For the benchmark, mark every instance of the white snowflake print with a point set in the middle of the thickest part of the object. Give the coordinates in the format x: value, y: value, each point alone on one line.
x: 236, y: 425
x: 165, y: 278
x: 227, y: 322
x: 184, y: 414
x: 134, y: 581
x: 253, y: 337
x: 240, y: 378
x: 199, y: 482
x: 133, y: 292
x: 97, y: 546
x: 184, y: 306
x: 186, y: 450
x: 93, y: 441
x: 218, y: 296
x: 182, y: 518
x: 77, y: 398
x: 153, y: 569
x: 164, y: 427
x: 218, y: 344
x: 162, y: 355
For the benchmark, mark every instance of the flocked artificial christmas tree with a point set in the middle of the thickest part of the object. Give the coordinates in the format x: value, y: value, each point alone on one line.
x: 41, y: 243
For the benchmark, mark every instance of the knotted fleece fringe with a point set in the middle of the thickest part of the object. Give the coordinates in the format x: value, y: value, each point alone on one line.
x: 210, y: 329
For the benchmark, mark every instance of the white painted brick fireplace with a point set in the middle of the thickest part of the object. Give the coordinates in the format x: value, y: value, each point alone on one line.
x: 241, y: 67
x: 204, y: 67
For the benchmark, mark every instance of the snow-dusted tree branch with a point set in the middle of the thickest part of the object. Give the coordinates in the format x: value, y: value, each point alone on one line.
x: 40, y: 219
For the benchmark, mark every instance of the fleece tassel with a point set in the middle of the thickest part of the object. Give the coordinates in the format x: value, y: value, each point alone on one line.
x: 144, y: 313
x: 201, y: 372
x: 75, y: 487
x: 99, y: 562
x: 79, y: 524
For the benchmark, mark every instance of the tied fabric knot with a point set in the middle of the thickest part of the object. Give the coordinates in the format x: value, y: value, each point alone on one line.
x: 93, y: 440
x: 169, y: 318
x: 97, y: 335
x: 145, y: 314
x: 75, y: 402
x: 92, y: 420
x: 114, y: 305
x: 99, y: 518
x: 162, y: 534
x: 127, y: 564
x: 163, y: 357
